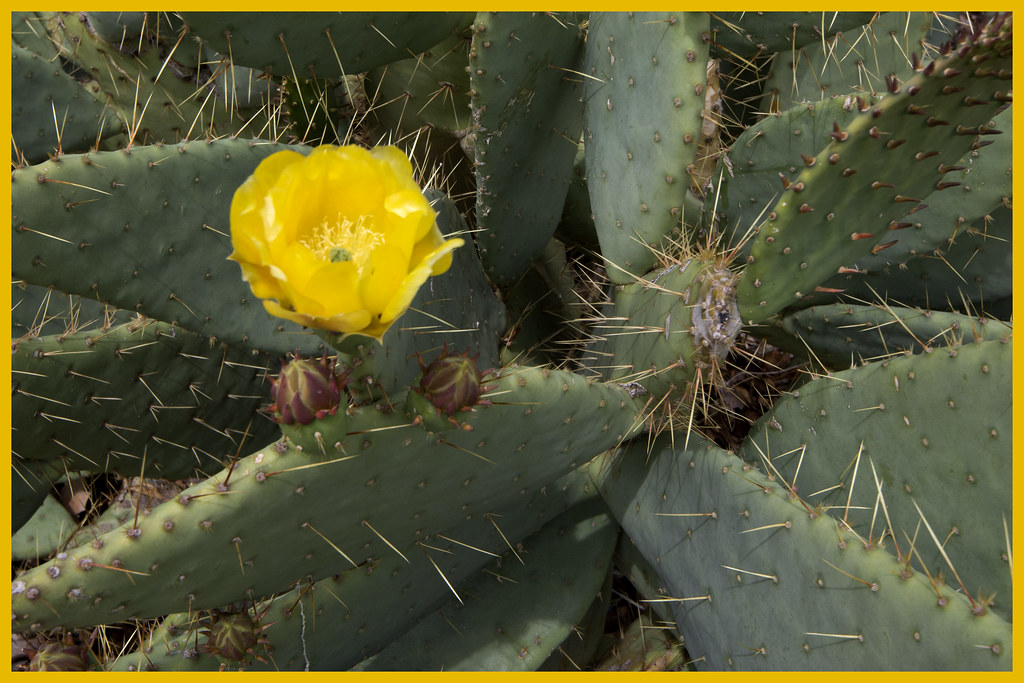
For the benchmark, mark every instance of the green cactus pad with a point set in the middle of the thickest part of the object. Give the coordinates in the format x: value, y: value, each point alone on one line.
x: 334, y: 623
x: 937, y: 429
x: 762, y: 581
x: 856, y: 60
x: 972, y: 271
x: 328, y: 43
x: 750, y: 34
x: 147, y: 230
x: 140, y: 395
x: 644, y: 94
x: 31, y: 481
x: 526, y: 120
x: 850, y: 198
x: 55, y: 112
x: 42, y: 311
x: 430, y: 89
x: 518, y: 609
x: 773, y: 145
x: 843, y: 334
x: 48, y: 529
x: 330, y: 488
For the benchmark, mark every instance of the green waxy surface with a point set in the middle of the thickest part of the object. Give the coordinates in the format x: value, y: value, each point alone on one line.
x: 757, y: 33
x: 335, y: 623
x: 527, y: 118
x: 143, y: 395
x: 47, y: 530
x: 147, y: 230
x: 763, y: 584
x: 936, y: 430
x: 843, y: 334
x: 772, y: 146
x: 518, y: 609
x: 287, y: 510
x: 430, y: 89
x: 856, y: 61
x: 884, y: 164
x: 327, y: 43
x: 53, y: 101
x: 644, y: 94
x: 31, y: 481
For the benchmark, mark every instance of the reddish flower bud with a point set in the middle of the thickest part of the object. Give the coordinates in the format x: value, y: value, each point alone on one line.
x: 60, y: 656
x: 452, y: 383
x: 306, y: 390
x: 231, y: 636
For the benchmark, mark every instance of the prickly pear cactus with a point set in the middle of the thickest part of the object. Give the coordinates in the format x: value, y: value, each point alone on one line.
x: 687, y: 323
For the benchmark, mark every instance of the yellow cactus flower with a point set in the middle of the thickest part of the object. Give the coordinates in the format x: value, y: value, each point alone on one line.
x: 339, y: 240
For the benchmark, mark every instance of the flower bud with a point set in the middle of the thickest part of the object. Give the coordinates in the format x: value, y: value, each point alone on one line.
x: 306, y: 390
x: 231, y: 636
x: 452, y: 383
x: 59, y: 656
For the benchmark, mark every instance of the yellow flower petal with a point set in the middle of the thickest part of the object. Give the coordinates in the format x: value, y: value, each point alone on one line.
x: 340, y: 239
x: 412, y: 282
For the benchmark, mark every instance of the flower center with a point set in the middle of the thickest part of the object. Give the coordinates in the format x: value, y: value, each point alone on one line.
x: 344, y: 240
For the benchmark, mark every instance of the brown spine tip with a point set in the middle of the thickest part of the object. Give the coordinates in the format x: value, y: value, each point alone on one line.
x: 916, y: 110
x: 913, y: 90
x: 950, y: 89
x: 838, y: 133
x: 893, y: 144
x: 878, y: 184
x: 901, y: 198
x: 974, y: 101
x: 847, y: 172
x: 964, y: 130
x: 936, y: 121
x: 834, y: 158
x: 804, y: 208
x: 930, y: 69
x: 785, y: 181
x: 861, y: 236
x: 875, y: 133
x: 892, y: 83
x: 951, y: 72
x: 808, y: 160
x: 798, y: 187
x: 879, y: 247
x: 917, y: 208
x: 843, y: 270
x: 899, y: 226
x: 945, y: 186
x: 924, y: 155
x: 829, y: 290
